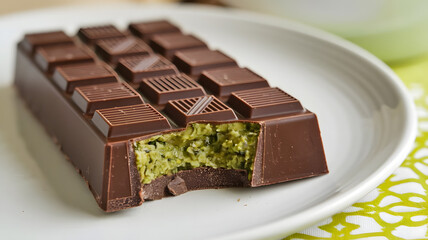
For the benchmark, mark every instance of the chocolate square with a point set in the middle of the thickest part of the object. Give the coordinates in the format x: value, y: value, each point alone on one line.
x: 293, y: 149
x: 264, y: 102
x: 129, y: 121
x: 183, y: 111
x: 93, y: 97
x: 69, y: 77
x: 164, y: 88
x: 111, y: 50
x: 35, y: 40
x: 146, y: 30
x: 134, y: 69
x: 47, y: 58
x: 168, y: 44
x: 90, y: 35
x: 193, y: 62
x: 222, y: 82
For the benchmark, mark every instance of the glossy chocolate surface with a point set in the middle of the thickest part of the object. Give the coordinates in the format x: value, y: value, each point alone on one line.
x: 96, y: 117
x: 50, y: 57
x: 90, y: 35
x: 69, y: 77
x: 94, y: 97
x: 168, y: 44
x: 264, y: 102
x: 170, y: 87
x: 193, y: 62
x: 112, y: 49
x: 183, y: 111
x: 146, y: 30
x: 130, y: 120
x: 134, y: 69
x: 222, y: 82
x: 32, y: 41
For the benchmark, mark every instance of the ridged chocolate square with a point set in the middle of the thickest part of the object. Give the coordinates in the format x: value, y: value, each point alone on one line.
x: 93, y: 97
x: 162, y: 89
x: 47, y: 58
x: 193, y: 62
x: 126, y: 121
x: 264, y: 102
x: 146, y: 30
x: 168, y: 44
x: 69, y: 77
x: 222, y: 82
x: 90, y: 35
x: 134, y: 69
x: 111, y: 50
x: 35, y: 40
x: 183, y: 111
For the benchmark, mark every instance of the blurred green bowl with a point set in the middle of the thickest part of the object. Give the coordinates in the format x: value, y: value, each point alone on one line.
x: 393, y: 30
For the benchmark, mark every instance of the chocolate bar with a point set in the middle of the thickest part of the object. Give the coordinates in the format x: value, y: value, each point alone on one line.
x: 137, y: 127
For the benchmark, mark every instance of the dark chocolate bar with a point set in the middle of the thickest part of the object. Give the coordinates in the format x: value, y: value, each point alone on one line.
x: 160, y: 134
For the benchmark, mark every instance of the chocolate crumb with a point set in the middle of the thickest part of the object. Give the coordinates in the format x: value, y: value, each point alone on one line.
x: 177, y: 186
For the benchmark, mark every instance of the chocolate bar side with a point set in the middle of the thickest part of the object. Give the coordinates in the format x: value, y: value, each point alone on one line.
x: 292, y: 149
x: 99, y: 164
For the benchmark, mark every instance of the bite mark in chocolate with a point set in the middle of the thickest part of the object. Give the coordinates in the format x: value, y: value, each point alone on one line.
x: 230, y: 145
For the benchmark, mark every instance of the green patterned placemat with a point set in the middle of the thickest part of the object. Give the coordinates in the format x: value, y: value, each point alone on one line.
x: 398, y: 208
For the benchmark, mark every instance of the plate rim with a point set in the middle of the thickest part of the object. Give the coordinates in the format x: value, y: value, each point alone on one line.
x: 321, y: 211
x: 340, y: 201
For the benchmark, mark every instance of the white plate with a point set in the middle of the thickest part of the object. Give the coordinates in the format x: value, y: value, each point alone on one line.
x: 367, y: 121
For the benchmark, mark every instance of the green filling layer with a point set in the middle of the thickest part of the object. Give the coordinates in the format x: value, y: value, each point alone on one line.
x: 229, y: 146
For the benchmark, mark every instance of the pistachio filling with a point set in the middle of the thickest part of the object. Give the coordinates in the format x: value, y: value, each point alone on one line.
x: 229, y: 146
